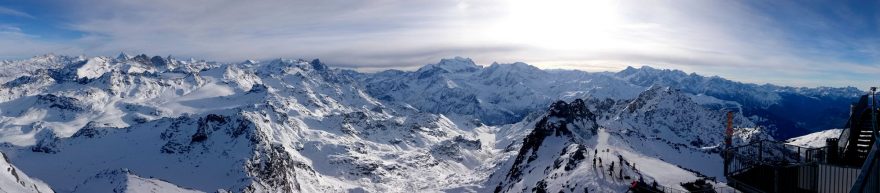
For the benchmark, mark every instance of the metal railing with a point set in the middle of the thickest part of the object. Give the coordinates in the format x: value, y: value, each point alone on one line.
x: 667, y: 189
x: 768, y: 166
x: 869, y: 179
x: 772, y: 153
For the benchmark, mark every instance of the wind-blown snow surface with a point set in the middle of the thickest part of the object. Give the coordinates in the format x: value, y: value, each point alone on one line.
x: 156, y: 123
x: 124, y: 181
x: 13, y: 179
x: 816, y: 139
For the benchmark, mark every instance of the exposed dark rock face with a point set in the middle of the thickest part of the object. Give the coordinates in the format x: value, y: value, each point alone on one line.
x: 142, y: 58
x: 59, y: 102
x: 22, y: 80
x: 210, y: 123
x: 46, y: 142
x: 158, y: 61
x: 567, y: 120
x: 576, y: 158
x: 90, y: 131
x: 453, y: 148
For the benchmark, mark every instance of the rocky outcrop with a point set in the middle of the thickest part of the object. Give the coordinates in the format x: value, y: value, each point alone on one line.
x: 567, y: 124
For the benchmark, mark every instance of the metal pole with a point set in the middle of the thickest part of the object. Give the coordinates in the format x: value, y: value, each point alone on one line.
x: 761, y: 151
x: 728, y: 136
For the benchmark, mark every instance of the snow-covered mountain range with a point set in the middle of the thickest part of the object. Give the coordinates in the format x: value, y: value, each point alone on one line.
x: 139, y: 123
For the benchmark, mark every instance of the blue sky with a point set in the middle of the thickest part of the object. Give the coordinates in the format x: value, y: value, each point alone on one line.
x: 797, y: 43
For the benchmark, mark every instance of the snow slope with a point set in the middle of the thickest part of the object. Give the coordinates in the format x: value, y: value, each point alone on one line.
x: 277, y: 126
x: 13, y: 179
x: 816, y: 139
x: 569, y: 150
x: 124, y: 181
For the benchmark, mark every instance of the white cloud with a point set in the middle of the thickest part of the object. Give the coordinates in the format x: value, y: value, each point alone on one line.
x: 13, y: 12
x: 16, y: 44
x: 727, y: 38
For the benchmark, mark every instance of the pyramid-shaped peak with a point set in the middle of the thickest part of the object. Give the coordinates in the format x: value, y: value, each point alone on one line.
x: 123, y: 56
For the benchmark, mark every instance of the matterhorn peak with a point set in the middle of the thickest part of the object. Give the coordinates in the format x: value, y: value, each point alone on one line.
x: 123, y: 56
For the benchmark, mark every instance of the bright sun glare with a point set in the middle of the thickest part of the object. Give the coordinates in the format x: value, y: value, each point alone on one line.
x: 559, y: 24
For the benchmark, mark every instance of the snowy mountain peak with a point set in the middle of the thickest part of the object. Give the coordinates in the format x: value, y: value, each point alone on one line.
x: 674, y: 116
x: 46, y: 57
x: 141, y: 58
x: 318, y: 65
x: 123, y: 56
x: 453, y: 65
x: 628, y: 71
x: 93, y: 68
x: 654, y: 93
x: 516, y: 67
x: 796, y: 109
x: 249, y: 62
x: 659, y: 97
x: 576, y: 108
x: 573, y: 119
x: 563, y: 129
x: 651, y: 72
x: 159, y: 61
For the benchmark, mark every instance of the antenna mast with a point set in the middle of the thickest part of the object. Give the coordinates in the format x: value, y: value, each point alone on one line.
x: 728, y: 137
x: 728, y: 142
